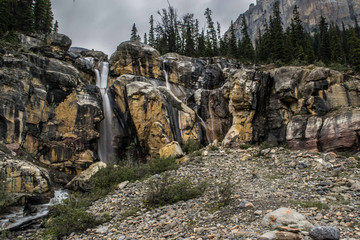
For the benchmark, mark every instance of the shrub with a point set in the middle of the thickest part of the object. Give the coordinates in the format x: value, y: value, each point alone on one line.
x: 225, y: 191
x: 70, y: 217
x: 213, y: 148
x: 191, y: 146
x: 245, y: 146
x: 167, y: 190
x: 108, y: 178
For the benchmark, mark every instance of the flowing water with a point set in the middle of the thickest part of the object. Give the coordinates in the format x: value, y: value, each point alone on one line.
x: 166, y: 74
x: 105, y: 148
x: 17, y: 219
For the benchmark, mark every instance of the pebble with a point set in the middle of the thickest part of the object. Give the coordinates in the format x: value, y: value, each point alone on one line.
x: 284, y: 178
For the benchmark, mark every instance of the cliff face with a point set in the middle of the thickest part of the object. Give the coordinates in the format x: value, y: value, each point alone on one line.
x: 337, y: 11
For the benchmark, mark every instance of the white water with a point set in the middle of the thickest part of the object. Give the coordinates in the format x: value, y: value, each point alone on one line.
x: 17, y: 216
x: 166, y: 75
x: 204, y: 125
x: 105, y: 148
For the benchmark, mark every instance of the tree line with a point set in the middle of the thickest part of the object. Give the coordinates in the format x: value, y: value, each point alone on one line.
x: 328, y: 44
x: 27, y: 16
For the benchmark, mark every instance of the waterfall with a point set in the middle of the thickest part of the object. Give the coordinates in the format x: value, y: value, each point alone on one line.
x: 204, y: 125
x: 165, y: 62
x: 105, y: 148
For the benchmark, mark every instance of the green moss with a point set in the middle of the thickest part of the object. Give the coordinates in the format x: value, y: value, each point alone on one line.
x: 309, y: 204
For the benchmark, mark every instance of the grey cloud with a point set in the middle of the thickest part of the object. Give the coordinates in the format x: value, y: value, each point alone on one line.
x: 103, y: 24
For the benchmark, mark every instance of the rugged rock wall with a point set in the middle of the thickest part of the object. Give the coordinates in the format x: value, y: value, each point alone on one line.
x: 337, y: 11
x: 217, y: 100
x: 47, y: 105
x: 51, y: 108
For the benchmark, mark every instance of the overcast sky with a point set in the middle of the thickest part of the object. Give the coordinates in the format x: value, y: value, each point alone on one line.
x: 104, y: 24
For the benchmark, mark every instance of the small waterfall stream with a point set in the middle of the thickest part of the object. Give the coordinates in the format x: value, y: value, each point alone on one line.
x: 16, y: 219
x: 166, y: 74
x: 105, y: 148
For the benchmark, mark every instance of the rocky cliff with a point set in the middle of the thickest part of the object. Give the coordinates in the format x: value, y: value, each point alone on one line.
x: 213, y: 99
x: 51, y: 108
x: 337, y: 11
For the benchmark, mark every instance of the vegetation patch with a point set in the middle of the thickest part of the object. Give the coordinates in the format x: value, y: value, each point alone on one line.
x: 191, y: 146
x: 108, y: 178
x: 167, y: 190
x: 70, y: 217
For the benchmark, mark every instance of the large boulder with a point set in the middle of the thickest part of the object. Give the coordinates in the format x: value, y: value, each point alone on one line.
x: 135, y: 58
x: 82, y: 181
x: 59, y: 42
x: 23, y: 177
x: 286, y: 217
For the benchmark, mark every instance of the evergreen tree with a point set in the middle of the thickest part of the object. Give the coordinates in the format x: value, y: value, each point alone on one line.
x: 145, y: 39
x: 43, y: 16
x: 345, y: 42
x: 309, y: 51
x: 335, y: 44
x: 211, y: 32
x: 56, y: 27
x: 354, y: 49
x: 4, y: 16
x: 134, y: 34
x: 297, y: 35
x: 151, y: 32
x: 232, y: 46
x: 276, y: 34
x: 324, y: 43
x: 167, y: 29
x: 201, y: 48
x: 246, y: 44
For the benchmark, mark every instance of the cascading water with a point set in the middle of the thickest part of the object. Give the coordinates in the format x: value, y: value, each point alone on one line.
x: 105, y: 148
x: 166, y: 74
x: 18, y: 219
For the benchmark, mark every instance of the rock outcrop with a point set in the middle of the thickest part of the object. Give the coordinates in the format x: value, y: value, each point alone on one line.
x: 219, y: 100
x: 337, y: 11
x: 47, y: 107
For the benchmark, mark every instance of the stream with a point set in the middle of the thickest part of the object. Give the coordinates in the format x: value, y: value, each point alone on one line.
x: 16, y: 220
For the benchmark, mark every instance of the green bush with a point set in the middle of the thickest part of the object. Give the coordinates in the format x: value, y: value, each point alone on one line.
x: 70, y: 217
x: 167, y: 190
x: 191, y: 146
x: 108, y: 178
x: 213, y: 148
x: 245, y: 146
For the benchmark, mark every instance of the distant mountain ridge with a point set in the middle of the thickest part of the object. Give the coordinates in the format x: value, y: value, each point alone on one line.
x: 337, y: 11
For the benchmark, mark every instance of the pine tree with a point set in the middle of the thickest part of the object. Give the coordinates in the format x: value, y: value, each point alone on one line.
x: 357, y: 28
x: 335, y: 44
x: 246, y: 44
x: 276, y: 34
x: 151, y: 32
x: 345, y: 42
x: 145, y: 39
x: 56, y: 27
x: 324, y: 43
x: 134, y: 34
x: 201, y: 48
x: 43, y: 16
x: 354, y: 49
x: 24, y: 16
x: 232, y: 46
x: 4, y: 16
x: 297, y: 35
x: 167, y: 29
x: 309, y: 51
x: 211, y: 32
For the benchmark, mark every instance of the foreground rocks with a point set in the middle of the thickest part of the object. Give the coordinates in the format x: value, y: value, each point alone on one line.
x: 319, y: 187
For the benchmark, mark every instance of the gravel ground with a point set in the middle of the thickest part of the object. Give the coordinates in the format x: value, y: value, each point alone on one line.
x: 324, y: 187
